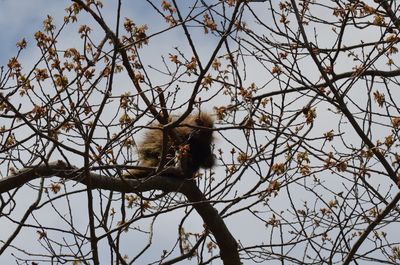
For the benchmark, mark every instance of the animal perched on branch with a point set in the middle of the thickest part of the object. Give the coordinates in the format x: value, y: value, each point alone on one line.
x: 188, y: 148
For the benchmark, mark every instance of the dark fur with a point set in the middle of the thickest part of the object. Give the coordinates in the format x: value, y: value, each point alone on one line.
x: 189, y: 154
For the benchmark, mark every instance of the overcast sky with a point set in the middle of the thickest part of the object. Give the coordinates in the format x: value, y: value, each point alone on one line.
x: 22, y: 18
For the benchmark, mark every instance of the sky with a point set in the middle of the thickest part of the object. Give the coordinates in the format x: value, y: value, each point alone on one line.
x: 22, y: 18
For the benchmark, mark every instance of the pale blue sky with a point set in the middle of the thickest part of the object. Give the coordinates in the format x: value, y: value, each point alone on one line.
x: 22, y: 18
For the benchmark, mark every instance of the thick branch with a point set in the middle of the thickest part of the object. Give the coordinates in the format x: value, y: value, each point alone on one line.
x: 226, y: 242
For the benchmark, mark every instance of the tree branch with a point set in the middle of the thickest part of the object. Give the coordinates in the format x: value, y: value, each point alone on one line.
x: 226, y: 242
x: 342, y: 105
x: 371, y: 227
